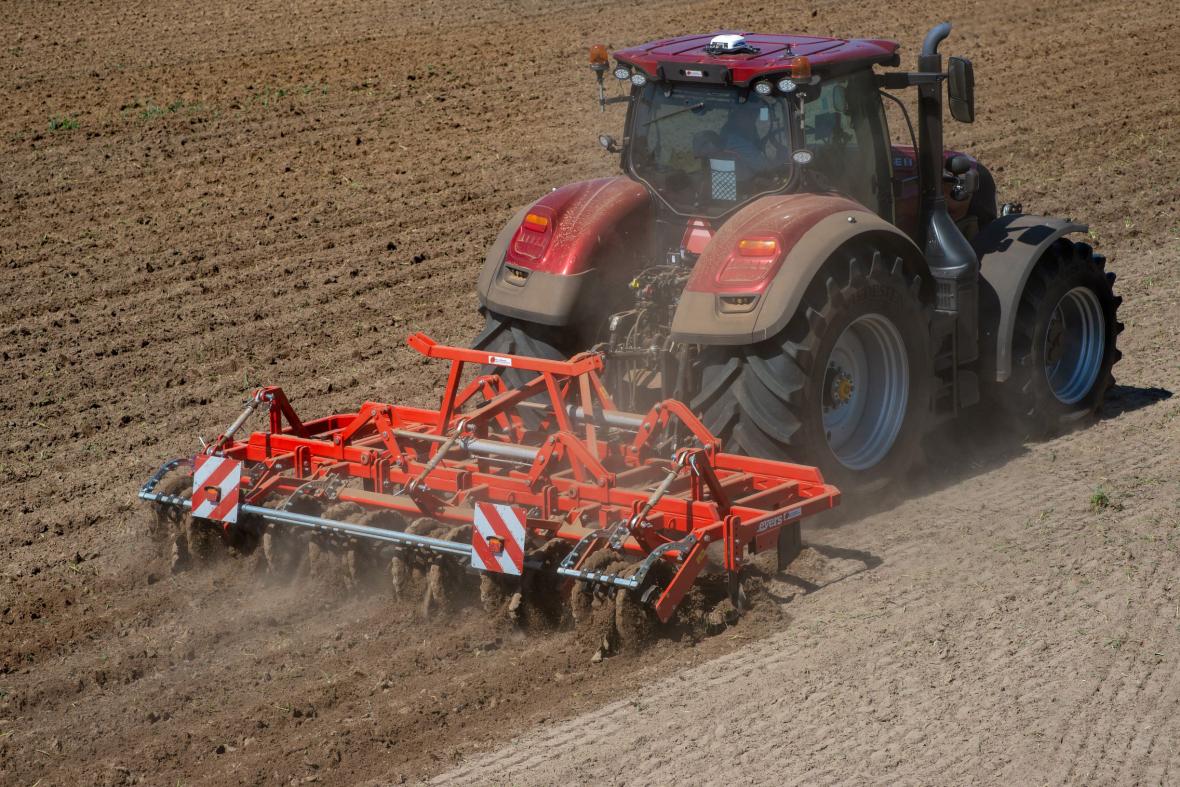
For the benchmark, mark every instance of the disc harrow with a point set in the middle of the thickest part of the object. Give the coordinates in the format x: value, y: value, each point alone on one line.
x: 496, y: 494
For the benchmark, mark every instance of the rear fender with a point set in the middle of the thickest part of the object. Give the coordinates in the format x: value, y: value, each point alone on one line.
x: 810, y: 228
x: 540, y: 278
x: 1009, y: 248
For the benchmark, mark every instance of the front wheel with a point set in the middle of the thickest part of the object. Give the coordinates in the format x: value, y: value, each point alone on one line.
x: 1064, y: 345
x: 845, y: 386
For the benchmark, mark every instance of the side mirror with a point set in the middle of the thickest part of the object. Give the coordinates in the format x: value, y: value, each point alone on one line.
x: 608, y: 143
x: 960, y: 88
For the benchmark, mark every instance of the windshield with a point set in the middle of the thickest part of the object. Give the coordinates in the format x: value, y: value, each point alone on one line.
x: 707, y: 150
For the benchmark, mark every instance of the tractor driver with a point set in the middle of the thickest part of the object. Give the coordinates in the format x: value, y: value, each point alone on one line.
x: 740, y: 136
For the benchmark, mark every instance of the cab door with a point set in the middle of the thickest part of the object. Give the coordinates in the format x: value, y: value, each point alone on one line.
x: 845, y: 129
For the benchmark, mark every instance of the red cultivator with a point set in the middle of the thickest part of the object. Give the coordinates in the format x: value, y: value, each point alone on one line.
x: 548, y: 468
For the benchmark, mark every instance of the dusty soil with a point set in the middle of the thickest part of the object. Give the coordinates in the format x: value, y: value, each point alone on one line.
x: 198, y: 198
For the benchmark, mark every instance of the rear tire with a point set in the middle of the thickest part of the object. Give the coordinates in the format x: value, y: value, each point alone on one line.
x: 503, y: 335
x: 861, y: 331
x: 1065, y: 341
x: 518, y: 337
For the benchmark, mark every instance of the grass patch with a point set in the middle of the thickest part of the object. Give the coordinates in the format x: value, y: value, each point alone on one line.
x: 267, y: 95
x: 63, y: 123
x: 148, y: 110
x: 1099, y: 500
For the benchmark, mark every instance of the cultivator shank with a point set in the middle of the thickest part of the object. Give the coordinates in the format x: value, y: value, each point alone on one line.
x: 550, y: 461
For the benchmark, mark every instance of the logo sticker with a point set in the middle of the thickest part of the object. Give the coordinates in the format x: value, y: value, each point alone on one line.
x: 775, y: 521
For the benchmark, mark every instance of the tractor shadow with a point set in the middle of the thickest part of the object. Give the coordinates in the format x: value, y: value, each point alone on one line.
x: 1123, y: 399
x: 981, y: 440
x: 976, y: 443
x: 986, y: 438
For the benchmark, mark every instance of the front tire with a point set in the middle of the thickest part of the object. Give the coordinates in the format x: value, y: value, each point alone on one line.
x: 1065, y: 342
x: 845, y: 386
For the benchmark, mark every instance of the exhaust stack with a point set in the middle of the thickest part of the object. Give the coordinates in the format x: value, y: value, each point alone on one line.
x: 952, y: 261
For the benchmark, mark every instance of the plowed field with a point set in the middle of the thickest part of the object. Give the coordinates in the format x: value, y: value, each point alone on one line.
x: 197, y: 198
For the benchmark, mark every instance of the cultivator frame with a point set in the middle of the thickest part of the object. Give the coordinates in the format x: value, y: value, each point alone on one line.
x: 655, y: 487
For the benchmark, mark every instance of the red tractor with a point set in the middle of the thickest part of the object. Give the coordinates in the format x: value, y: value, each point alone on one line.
x: 812, y: 290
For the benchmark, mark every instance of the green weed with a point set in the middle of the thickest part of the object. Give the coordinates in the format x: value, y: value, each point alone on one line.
x: 1099, y: 500
x: 63, y: 123
x: 147, y: 110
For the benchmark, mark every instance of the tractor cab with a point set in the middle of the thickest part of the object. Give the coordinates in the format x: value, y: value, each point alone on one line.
x: 715, y: 122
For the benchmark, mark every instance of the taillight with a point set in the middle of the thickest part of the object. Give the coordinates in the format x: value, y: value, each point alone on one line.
x: 696, y: 237
x: 758, y: 247
x: 532, y: 237
x: 754, y: 261
x: 536, y: 222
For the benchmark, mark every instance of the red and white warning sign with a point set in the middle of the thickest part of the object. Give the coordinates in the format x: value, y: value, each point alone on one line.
x: 497, y: 540
x: 216, y: 488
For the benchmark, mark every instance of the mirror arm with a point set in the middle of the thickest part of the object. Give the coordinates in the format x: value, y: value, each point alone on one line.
x: 898, y: 80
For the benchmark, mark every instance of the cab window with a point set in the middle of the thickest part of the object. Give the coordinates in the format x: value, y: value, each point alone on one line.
x: 844, y: 129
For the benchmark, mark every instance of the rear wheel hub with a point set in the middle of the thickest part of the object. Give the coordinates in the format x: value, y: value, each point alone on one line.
x: 1075, y: 345
x: 865, y: 391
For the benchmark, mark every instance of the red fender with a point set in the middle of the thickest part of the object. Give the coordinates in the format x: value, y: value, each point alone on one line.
x: 541, y: 259
x: 751, y: 277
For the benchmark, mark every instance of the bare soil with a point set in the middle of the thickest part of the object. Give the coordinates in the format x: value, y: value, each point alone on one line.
x: 199, y: 198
